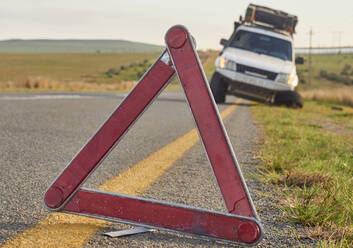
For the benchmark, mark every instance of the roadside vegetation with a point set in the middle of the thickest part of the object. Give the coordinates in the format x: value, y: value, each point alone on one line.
x: 308, y: 153
x: 332, y: 78
x: 79, y: 72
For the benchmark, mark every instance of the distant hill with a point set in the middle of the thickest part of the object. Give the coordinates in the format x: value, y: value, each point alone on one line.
x: 75, y: 46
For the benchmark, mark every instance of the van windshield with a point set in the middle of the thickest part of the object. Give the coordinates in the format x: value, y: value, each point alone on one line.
x: 262, y: 44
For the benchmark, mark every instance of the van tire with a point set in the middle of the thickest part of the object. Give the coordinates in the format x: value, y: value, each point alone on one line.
x: 218, y: 88
x: 291, y: 99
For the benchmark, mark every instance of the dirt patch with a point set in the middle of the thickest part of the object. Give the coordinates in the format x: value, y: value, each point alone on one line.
x: 333, y: 127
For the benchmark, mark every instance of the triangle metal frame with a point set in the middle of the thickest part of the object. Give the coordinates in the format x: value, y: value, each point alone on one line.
x: 241, y: 225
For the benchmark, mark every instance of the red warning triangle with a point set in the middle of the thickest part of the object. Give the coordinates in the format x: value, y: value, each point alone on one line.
x: 240, y: 225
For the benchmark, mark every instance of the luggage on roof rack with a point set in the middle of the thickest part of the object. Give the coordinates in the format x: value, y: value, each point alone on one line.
x: 275, y: 18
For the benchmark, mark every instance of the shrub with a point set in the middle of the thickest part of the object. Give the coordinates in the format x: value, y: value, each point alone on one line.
x: 345, y: 79
x: 323, y: 73
x: 346, y: 70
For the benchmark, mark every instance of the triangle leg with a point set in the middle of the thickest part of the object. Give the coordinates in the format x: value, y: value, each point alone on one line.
x: 212, y: 132
x: 105, y: 139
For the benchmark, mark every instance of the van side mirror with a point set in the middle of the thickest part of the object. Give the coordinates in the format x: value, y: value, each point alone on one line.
x: 223, y: 42
x: 299, y: 60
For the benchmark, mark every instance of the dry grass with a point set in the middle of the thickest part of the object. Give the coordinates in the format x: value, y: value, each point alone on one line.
x: 341, y: 95
x: 40, y: 83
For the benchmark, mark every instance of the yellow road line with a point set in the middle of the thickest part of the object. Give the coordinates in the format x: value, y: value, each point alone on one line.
x: 63, y: 230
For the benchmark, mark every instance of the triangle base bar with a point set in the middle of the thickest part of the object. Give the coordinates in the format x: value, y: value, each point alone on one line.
x: 165, y: 216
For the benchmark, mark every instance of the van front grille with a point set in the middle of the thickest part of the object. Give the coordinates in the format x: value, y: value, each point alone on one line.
x: 256, y: 72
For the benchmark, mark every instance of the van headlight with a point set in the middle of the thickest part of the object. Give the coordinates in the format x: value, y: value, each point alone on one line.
x: 222, y: 63
x: 285, y: 78
x: 227, y: 64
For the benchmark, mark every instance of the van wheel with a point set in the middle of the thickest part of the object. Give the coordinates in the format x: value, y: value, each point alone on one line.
x: 289, y: 98
x: 218, y: 88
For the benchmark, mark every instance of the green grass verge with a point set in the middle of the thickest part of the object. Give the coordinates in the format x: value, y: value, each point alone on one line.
x: 309, y: 152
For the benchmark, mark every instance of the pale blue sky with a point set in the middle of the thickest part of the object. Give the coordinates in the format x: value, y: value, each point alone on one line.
x: 147, y: 21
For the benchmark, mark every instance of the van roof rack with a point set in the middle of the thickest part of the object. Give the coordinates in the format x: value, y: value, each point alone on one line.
x: 267, y: 17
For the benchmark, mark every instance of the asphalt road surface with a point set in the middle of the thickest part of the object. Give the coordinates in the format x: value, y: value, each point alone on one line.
x: 41, y: 132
